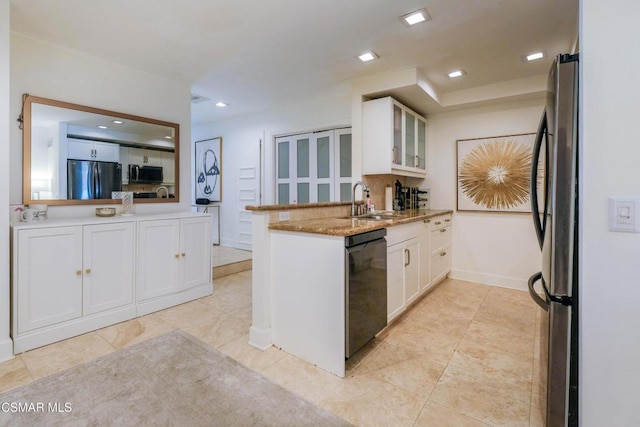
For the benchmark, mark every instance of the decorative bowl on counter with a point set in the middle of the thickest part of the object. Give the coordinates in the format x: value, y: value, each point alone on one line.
x: 105, y: 212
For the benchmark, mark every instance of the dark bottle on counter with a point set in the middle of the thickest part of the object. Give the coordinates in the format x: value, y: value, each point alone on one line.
x: 398, y: 202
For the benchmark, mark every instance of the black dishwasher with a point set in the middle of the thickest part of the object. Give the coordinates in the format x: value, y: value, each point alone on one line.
x: 365, y: 288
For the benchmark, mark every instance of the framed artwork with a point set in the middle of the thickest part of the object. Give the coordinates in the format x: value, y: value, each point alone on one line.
x: 493, y: 174
x: 208, y: 169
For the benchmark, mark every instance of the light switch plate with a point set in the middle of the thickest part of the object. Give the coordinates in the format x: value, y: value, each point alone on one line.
x: 623, y: 215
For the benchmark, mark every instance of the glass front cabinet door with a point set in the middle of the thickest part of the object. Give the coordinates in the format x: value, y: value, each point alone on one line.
x: 394, y: 139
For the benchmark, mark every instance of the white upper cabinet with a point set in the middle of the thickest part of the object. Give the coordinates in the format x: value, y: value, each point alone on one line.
x: 394, y: 139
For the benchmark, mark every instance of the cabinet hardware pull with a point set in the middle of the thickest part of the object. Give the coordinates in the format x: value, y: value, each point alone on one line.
x: 88, y: 271
x: 78, y: 272
x: 177, y: 255
x: 183, y: 254
x: 443, y: 253
x: 438, y: 223
x: 408, y: 253
x: 417, y: 161
x: 447, y: 220
x: 443, y: 230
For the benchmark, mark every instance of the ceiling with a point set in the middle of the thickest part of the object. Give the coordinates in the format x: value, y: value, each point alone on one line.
x: 257, y: 55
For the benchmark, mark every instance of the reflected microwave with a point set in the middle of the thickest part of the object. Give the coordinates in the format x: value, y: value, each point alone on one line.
x: 145, y: 174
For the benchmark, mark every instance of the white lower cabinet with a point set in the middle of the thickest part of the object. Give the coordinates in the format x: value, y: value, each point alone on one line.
x: 107, y: 260
x: 66, y: 275
x: 440, y: 248
x: 425, y: 255
x: 71, y: 279
x: 418, y: 258
x: 403, y: 268
x: 174, y: 257
x: 49, y: 271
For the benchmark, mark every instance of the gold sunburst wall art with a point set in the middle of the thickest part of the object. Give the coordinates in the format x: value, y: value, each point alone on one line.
x: 494, y: 173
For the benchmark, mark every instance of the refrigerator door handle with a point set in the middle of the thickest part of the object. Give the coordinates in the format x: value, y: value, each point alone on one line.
x: 544, y: 303
x: 533, y: 183
x: 96, y: 182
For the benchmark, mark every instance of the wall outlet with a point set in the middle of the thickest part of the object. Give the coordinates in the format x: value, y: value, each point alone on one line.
x: 283, y: 216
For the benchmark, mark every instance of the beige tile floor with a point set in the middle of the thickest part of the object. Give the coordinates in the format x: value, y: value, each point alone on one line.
x: 462, y: 356
x: 223, y: 255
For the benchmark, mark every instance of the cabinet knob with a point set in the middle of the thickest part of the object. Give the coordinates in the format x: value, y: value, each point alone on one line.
x: 443, y: 253
x: 88, y: 271
x: 438, y: 223
x: 78, y: 272
x: 183, y: 254
x: 443, y: 230
x: 447, y: 220
x: 177, y: 255
x: 427, y: 221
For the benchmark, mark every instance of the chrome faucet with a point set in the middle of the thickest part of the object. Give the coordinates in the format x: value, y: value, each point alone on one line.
x: 354, y: 210
x: 162, y: 187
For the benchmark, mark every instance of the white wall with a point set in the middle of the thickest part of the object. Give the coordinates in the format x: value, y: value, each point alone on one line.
x: 47, y: 71
x: 241, y: 149
x: 28, y: 66
x: 493, y: 248
x: 6, y: 347
x: 610, y: 262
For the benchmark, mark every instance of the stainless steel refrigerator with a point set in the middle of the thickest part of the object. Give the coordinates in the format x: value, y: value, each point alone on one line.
x: 87, y: 179
x: 554, y: 202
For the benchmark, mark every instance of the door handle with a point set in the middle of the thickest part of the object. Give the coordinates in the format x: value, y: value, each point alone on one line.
x: 544, y: 303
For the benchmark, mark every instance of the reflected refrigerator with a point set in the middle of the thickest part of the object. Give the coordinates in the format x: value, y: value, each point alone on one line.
x: 87, y: 179
x: 554, y: 202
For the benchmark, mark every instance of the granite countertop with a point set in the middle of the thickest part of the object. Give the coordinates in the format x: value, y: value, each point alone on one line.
x: 344, y: 226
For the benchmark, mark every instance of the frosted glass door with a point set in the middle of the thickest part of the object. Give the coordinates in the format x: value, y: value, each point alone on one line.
x: 422, y: 145
x: 313, y: 167
x: 397, y: 135
x: 343, y: 164
x: 410, y: 139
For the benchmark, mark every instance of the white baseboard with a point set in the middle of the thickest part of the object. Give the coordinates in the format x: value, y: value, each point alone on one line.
x: 490, y: 279
x: 6, y: 350
x: 260, y: 338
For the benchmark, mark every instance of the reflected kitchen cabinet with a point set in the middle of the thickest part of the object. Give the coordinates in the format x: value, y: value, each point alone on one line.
x: 84, y: 149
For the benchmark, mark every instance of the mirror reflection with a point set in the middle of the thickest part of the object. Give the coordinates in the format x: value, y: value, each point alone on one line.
x: 75, y: 154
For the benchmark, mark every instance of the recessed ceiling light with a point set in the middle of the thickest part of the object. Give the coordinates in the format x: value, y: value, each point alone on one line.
x: 118, y: 122
x: 415, y: 17
x: 102, y: 127
x: 368, y: 56
x: 456, y: 73
x: 534, y: 56
x: 221, y: 104
x: 168, y: 137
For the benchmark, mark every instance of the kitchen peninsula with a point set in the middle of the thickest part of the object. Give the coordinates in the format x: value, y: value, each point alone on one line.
x: 299, y: 272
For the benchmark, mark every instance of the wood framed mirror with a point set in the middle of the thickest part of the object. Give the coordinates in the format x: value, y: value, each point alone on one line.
x: 77, y: 155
